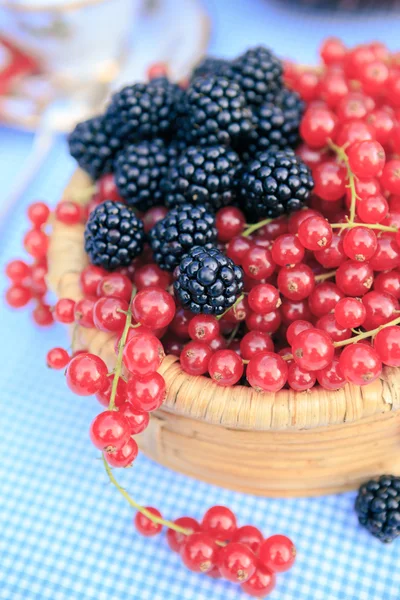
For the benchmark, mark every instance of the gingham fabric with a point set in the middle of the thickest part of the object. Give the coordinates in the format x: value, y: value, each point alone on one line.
x: 65, y: 532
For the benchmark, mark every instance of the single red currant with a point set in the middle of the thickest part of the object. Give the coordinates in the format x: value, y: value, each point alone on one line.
x: 86, y: 374
x: 387, y: 345
x: 146, y: 392
x: 123, y: 457
x: 18, y: 296
x: 366, y: 158
x: 115, y: 285
x: 151, y: 275
x: 257, y: 263
x: 264, y: 298
x: 336, y: 332
x: 268, y: 323
x: 104, y: 395
x: 300, y: 380
x: 360, y: 364
x: 83, y: 312
x: 318, y: 126
x: 57, y: 358
x: 380, y: 308
x: 64, y: 310
x: 204, y: 328
x: 109, y: 431
x: 332, y: 256
x: 354, y: 278
x: 219, y: 522
x: 350, y: 312
x: 296, y: 282
x: 313, y: 350
x: 331, y: 377
x: 175, y: 539
x: 146, y: 526
x: 249, y: 536
x: 153, y: 308
x: 261, y: 583
x: 295, y: 328
x: 237, y: 248
x: 68, y: 212
x: 372, y: 209
x: 36, y: 243
x: 229, y: 222
x: 324, y: 298
x: 360, y: 243
x: 390, y: 179
x: 236, y: 562
x: 287, y: 250
x: 18, y: 271
x: 90, y: 278
x: 109, y: 314
x: 225, y: 367
x: 255, y: 342
x: 42, y: 315
x: 38, y: 213
x: 315, y: 233
x: 329, y: 181
x: 195, y: 358
x: 267, y: 372
x: 143, y: 354
x: 199, y: 552
x: 278, y: 553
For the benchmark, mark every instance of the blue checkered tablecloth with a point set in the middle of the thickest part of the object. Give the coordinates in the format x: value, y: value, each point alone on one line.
x: 65, y: 532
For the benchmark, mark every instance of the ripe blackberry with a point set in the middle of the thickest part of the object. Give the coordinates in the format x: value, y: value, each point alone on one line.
x: 139, y: 170
x: 378, y: 507
x: 259, y: 73
x: 202, y: 176
x: 145, y: 110
x: 215, y: 112
x: 210, y: 66
x: 114, y: 236
x: 94, y: 145
x: 276, y: 124
x: 207, y: 281
x: 183, y: 227
x: 274, y: 183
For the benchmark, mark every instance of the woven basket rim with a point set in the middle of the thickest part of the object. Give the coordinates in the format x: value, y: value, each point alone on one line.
x: 200, y: 398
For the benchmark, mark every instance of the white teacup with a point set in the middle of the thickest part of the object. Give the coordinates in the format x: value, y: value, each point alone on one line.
x: 76, y: 41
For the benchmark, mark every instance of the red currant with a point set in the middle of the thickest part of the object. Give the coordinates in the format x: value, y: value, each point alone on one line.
x: 199, y: 552
x: 143, y: 354
x: 115, y: 285
x: 336, y: 332
x: 387, y: 345
x: 36, y: 243
x: 360, y: 243
x: 69, y: 213
x: 372, y: 209
x: 318, y: 126
x: 219, y: 522
x: 380, y: 308
x: 195, y: 358
x: 257, y: 263
x: 176, y: 539
x: 332, y: 256
x: 268, y: 323
x: 267, y: 372
x: 90, y: 278
x: 237, y: 248
x: 315, y: 233
x: 109, y: 431
x: 153, y: 308
x: 18, y: 296
x: 300, y: 380
x: 350, y: 312
x: 229, y: 222
x: 146, y: 392
x: 109, y: 314
x: 86, y: 374
x: 151, y: 275
x: 123, y: 457
x: 296, y: 282
x: 388, y: 282
x: 366, y: 158
x: 249, y: 536
x: 313, y: 350
x: 331, y: 377
x: 18, y: 271
x: 83, y: 312
x: 153, y: 216
x: 203, y: 328
x: 38, y: 213
x: 264, y: 298
x: 329, y: 181
x: 261, y: 583
x: 42, y: 315
x: 236, y: 562
x: 64, y: 311
x: 104, y: 395
x: 354, y: 278
x: 278, y: 553
x: 387, y: 255
x: 360, y: 364
x: 146, y: 526
x: 324, y: 298
x: 391, y: 176
x: 57, y: 358
x: 332, y: 51
x: 254, y: 342
x: 287, y: 250
x: 225, y: 367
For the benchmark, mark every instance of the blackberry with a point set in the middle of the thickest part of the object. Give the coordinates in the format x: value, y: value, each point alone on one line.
x: 145, y: 110
x: 378, y: 507
x: 202, y: 176
x: 210, y: 66
x: 274, y: 183
x: 259, y: 73
x: 277, y: 124
x: 93, y: 145
x: 215, y: 112
x: 183, y: 227
x: 139, y: 170
x: 207, y: 281
x: 114, y: 236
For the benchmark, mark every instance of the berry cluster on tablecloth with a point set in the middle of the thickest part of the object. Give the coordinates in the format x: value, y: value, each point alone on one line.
x: 248, y: 224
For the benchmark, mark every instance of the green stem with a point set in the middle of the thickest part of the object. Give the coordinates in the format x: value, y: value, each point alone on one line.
x: 233, y: 334
x: 325, y: 276
x: 341, y: 154
x: 142, y: 509
x: 366, y: 334
x: 121, y: 346
x: 377, y: 226
x: 231, y: 307
x: 252, y: 228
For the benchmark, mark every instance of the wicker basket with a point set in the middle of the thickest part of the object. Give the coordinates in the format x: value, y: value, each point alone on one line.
x: 284, y: 444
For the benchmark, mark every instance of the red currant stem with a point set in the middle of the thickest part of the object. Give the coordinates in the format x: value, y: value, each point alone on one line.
x: 121, y: 346
x: 252, y: 228
x: 287, y: 357
x: 74, y: 336
x: 325, y: 276
x: 341, y: 154
x: 140, y: 508
x: 377, y: 226
x: 230, y: 308
x: 366, y: 334
x: 233, y: 334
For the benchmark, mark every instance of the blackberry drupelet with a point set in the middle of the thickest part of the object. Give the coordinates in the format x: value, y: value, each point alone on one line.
x: 259, y: 73
x: 207, y: 281
x: 139, y: 170
x: 378, y: 507
x: 276, y: 124
x: 93, y: 145
x: 184, y: 227
x: 274, y: 183
x: 202, y: 176
x: 210, y: 66
x: 215, y: 112
x: 145, y: 110
x: 114, y: 236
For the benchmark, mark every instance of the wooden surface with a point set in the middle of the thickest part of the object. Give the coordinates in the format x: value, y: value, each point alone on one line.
x: 270, y: 444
